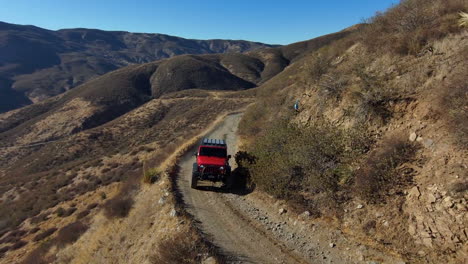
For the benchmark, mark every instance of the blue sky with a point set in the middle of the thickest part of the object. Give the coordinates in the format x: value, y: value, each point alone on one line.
x: 275, y: 22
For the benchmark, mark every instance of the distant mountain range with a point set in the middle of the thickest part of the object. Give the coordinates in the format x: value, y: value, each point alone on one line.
x: 36, y: 63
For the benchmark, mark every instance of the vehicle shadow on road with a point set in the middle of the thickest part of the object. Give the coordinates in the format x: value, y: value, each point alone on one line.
x: 241, y: 185
x: 237, y: 191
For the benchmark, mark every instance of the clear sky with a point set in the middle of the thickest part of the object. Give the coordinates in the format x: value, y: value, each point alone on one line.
x: 274, y: 22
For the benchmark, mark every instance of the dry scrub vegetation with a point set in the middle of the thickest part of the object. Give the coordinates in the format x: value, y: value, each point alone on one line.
x: 360, y: 99
x: 184, y: 247
x: 44, y: 182
x: 410, y: 26
x: 362, y: 92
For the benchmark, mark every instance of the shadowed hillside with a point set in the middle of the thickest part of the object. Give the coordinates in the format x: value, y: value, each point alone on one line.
x: 36, y: 63
x: 120, y: 91
x: 100, y: 132
x: 377, y: 149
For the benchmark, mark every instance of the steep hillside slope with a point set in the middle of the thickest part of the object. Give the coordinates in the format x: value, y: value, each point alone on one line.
x: 378, y: 146
x: 36, y: 63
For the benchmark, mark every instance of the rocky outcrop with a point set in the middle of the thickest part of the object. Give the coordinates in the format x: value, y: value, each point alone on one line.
x: 437, y: 220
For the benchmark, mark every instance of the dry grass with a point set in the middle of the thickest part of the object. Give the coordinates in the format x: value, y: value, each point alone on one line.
x: 377, y: 176
x: 373, y: 97
x: 121, y: 204
x: 79, y: 158
x: 463, y: 20
x: 39, y: 255
x: 453, y: 105
x: 183, y: 248
x: 409, y: 27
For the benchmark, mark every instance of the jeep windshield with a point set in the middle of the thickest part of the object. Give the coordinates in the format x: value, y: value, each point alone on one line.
x: 213, y: 152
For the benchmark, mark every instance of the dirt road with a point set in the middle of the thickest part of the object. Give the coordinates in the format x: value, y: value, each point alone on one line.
x: 237, y: 238
x: 249, y: 229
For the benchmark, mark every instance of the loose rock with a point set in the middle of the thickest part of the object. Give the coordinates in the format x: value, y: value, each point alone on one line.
x: 414, y: 193
x: 209, y: 260
x: 448, y: 203
x: 431, y: 198
x: 173, y: 213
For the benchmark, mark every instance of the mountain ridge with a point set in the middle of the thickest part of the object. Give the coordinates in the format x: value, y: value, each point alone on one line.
x: 37, y: 63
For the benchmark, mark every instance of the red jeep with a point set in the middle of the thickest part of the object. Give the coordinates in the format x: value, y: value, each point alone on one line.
x: 212, y: 163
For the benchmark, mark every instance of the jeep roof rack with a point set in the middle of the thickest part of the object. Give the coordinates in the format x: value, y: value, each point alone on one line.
x: 214, y: 142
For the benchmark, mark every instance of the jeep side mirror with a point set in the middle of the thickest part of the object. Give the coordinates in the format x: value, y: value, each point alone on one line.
x: 229, y: 156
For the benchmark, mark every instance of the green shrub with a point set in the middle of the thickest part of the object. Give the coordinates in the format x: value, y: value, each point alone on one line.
x: 313, y: 159
x: 243, y: 182
x: 151, y: 175
x: 60, y: 212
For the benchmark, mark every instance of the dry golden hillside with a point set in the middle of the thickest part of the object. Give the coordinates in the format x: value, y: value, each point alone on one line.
x: 377, y: 149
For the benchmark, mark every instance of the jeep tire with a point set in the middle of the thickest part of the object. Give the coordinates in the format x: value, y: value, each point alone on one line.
x: 194, y: 181
x: 229, y: 182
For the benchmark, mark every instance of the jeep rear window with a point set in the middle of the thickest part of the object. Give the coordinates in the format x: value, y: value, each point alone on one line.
x: 213, y: 152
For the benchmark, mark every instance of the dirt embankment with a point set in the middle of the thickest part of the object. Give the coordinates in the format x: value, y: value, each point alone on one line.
x: 255, y: 228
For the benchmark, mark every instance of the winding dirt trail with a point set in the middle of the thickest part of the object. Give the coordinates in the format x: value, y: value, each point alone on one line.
x: 239, y: 240
x: 249, y: 229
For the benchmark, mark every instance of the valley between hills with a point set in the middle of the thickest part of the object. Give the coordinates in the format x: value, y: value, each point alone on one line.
x: 370, y: 168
